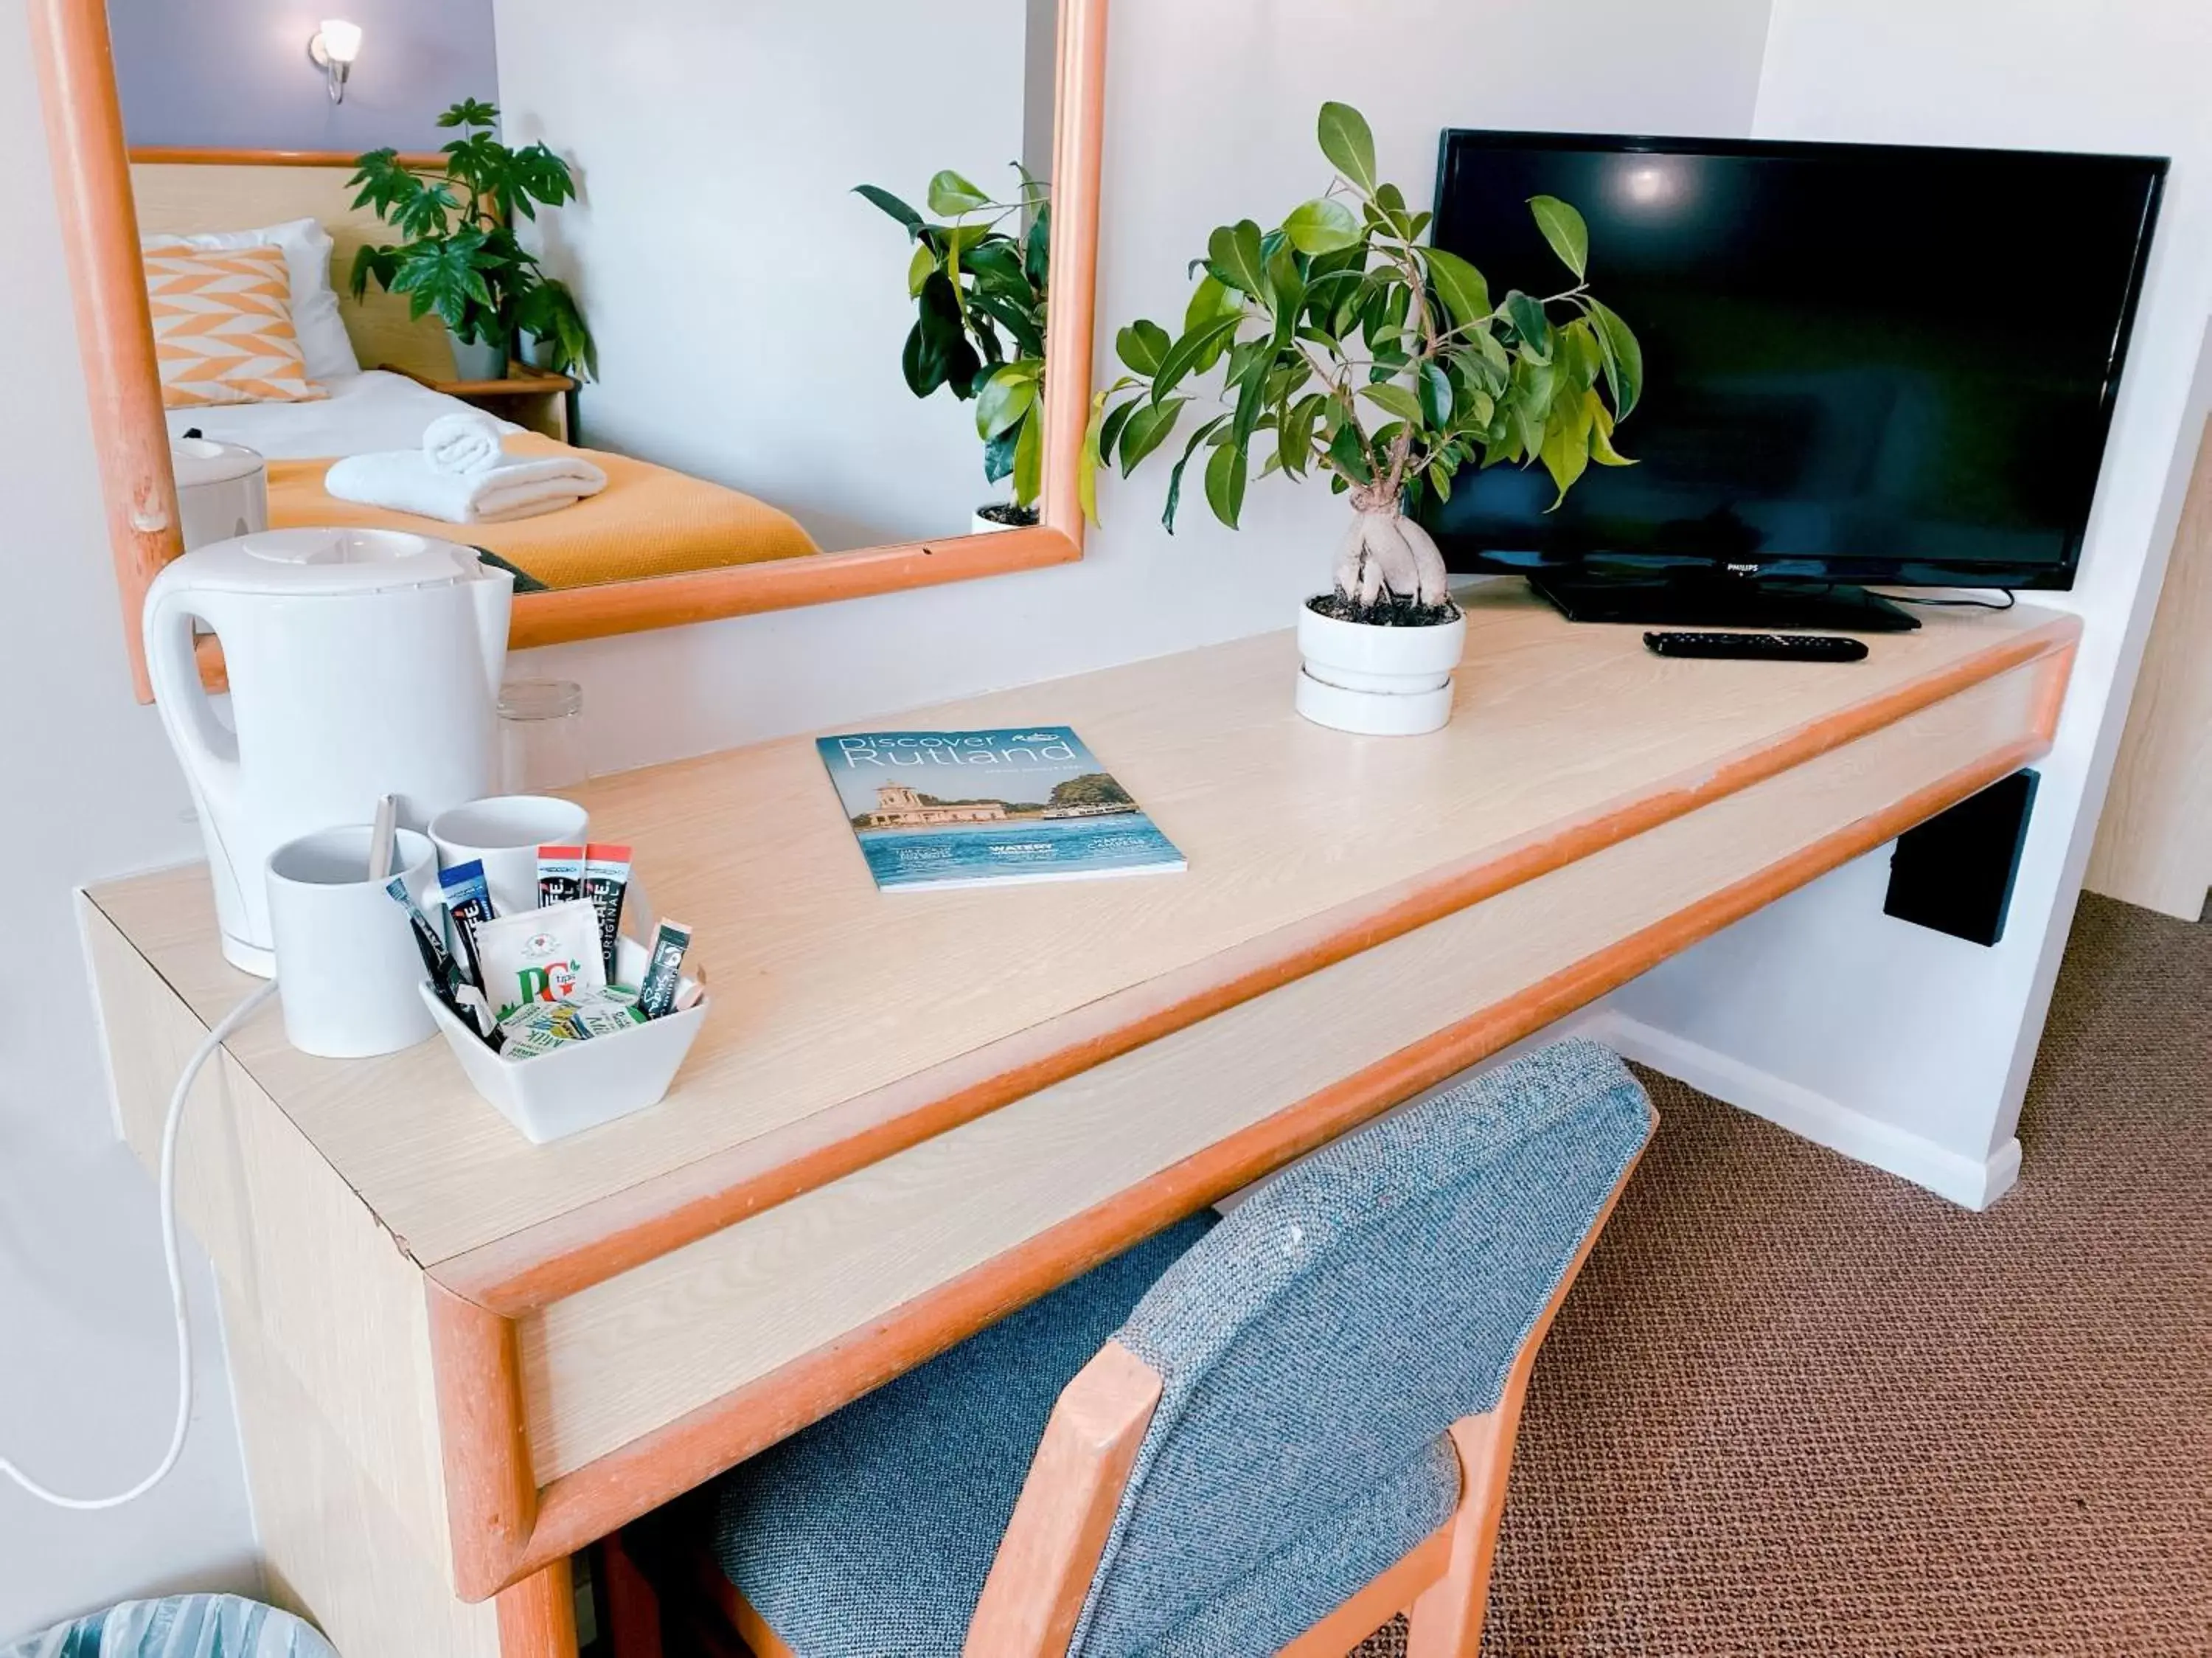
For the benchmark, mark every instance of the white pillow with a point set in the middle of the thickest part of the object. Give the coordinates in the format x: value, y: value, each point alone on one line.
x: 307, y: 246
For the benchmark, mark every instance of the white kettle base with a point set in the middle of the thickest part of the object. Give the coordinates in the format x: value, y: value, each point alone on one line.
x: 254, y: 959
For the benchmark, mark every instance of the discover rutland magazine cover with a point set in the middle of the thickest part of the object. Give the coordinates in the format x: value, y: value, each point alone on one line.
x: 983, y: 809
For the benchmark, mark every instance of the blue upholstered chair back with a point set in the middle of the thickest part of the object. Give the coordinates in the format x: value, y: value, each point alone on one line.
x: 1316, y: 1344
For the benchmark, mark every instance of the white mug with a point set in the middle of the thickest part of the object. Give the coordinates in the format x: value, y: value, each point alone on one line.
x: 347, y: 965
x: 504, y: 833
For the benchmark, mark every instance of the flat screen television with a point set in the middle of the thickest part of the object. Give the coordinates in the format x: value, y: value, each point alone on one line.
x: 1862, y: 364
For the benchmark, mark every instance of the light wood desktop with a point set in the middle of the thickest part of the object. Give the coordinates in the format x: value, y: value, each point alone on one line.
x: 461, y: 1357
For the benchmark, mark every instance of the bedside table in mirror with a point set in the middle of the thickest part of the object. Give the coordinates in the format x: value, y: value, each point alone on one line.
x: 528, y: 397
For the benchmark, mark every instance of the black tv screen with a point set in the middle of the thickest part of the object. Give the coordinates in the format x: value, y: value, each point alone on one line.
x: 1862, y: 363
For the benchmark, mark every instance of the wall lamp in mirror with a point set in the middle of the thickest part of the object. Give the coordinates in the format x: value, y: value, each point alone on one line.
x: 332, y: 48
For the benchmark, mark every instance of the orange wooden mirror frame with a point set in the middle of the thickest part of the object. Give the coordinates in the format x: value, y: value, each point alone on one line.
x: 100, y: 233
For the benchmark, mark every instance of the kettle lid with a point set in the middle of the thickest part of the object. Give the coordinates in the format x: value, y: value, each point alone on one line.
x: 330, y: 562
x: 197, y: 460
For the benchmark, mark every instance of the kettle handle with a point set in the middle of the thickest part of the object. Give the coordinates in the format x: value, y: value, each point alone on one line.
x: 209, y: 752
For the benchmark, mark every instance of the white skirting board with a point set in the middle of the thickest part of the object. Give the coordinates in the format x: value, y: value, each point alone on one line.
x: 1974, y: 1184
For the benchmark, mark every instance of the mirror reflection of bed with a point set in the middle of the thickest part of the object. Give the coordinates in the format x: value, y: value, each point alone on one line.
x: 721, y: 259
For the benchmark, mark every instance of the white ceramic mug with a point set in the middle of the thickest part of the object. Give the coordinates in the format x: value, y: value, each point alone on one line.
x: 504, y: 833
x: 347, y: 965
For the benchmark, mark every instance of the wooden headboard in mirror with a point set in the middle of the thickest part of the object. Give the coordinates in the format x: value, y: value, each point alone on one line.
x: 760, y: 427
x: 181, y: 192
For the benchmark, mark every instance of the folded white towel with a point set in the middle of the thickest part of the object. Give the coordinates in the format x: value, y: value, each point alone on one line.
x: 464, y: 442
x: 406, y: 481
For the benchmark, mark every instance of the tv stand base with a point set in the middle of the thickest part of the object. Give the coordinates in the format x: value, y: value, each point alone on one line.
x: 1771, y: 606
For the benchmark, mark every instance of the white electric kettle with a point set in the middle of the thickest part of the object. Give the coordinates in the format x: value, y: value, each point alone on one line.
x: 361, y: 663
x: 222, y: 489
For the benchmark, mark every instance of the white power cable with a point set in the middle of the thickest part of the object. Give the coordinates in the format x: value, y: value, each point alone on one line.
x: 215, y: 1039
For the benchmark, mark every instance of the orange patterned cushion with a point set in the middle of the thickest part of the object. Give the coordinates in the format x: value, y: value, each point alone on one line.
x: 222, y: 328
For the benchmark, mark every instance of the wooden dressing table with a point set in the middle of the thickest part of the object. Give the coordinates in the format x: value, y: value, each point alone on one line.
x: 459, y: 1358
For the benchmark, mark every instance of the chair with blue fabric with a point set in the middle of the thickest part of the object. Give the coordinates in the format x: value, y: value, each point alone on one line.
x: 1268, y: 1432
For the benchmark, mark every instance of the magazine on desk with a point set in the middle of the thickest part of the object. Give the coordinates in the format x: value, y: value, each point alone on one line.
x: 988, y: 808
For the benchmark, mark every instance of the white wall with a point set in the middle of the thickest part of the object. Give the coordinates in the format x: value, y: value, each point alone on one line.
x: 749, y: 309
x: 87, y: 1378
x: 1210, y: 116
x: 1210, y: 113
x: 1822, y: 993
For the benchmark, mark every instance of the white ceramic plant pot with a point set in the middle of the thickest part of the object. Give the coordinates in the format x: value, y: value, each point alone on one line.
x: 983, y: 526
x: 1378, y: 682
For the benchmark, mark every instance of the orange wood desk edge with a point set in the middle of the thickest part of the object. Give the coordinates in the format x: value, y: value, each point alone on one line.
x: 505, y: 1528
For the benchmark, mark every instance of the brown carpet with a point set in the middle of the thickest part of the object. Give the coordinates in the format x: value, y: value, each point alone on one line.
x: 1795, y: 1405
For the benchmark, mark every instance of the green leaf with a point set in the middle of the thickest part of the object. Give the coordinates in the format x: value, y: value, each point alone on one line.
x: 1528, y: 321
x: 549, y: 311
x: 1564, y: 228
x: 1204, y: 342
x: 471, y: 112
x: 1390, y: 203
x: 534, y: 172
x: 1086, y: 464
x: 1322, y: 226
x: 1435, y: 392
x: 1174, y: 478
x: 1225, y: 477
x: 1348, y: 449
x: 1465, y: 293
x: 1234, y: 257
x: 1143, y: 345
x: 381, y: 263
x: 1623, y: 358
x: 1109, y: 430
x: 1565, y: 452
x: 441, y: 274
x: 1286, y: 292
x: 1395, y: 400
x: 1601, y: 434
x: 1148, y: 428
x: 1006, y: 396
x: 937, y: 350
x: 951, y: 195
x: 1294, y: 434
x: 918, y: 268
x: 890, y: 204
x: 1210, y: 302
x: 1029, y: 459
x: 424, y: 213
x: 1024, y: 324
x: 1349, y: 143
x: 996, y: 265
x: 999, y: 456
x: 1036, y: 250
x: 1576, y: 351
x: 1251, y: 399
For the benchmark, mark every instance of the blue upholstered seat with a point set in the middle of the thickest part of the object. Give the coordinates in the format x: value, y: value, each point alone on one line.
x: 1314, y: 1346
x: 870, y: 1533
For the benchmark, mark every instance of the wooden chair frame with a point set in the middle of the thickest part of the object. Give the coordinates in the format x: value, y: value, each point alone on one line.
x: 92, y: 180
x: 1037, y: 1582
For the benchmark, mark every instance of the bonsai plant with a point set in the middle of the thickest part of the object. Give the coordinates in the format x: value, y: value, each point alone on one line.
x: 461, y: 257
x: 979, y: 330
x: 1347, y: 346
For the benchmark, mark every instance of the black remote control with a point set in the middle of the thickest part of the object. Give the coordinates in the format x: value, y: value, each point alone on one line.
x: 1759, y: 647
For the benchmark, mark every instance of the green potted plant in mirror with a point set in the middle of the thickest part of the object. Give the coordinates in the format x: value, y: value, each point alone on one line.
x: 1344, y: 345
x: 978, y: 282
x: 461, y: 257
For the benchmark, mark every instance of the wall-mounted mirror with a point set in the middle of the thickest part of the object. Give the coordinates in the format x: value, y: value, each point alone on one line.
x: 740, y: 306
